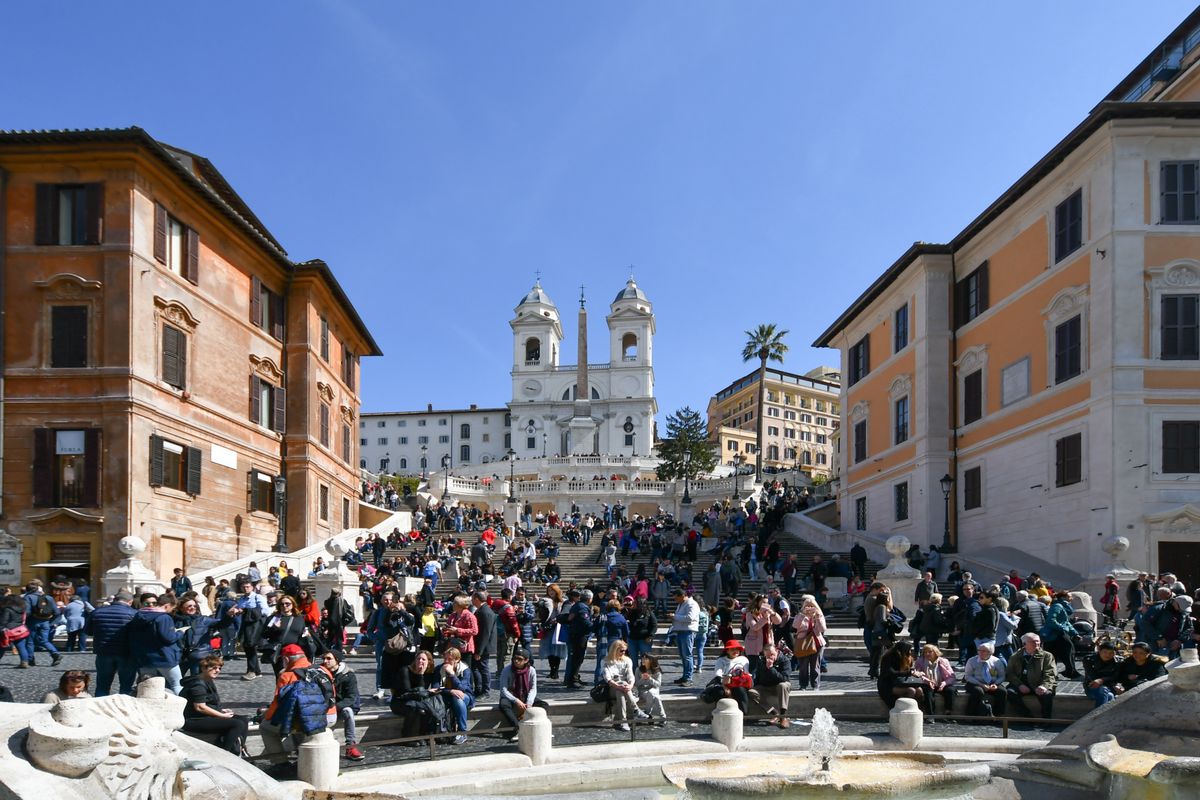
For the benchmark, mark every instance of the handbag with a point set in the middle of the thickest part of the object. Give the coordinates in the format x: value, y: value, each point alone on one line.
x: 807, y: 646
x: 10, y: 636
x: 400, y: 642
x: 599, y: 692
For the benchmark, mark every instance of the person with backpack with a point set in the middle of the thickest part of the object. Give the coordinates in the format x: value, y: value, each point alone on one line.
x: 345, y: 691
x: 155, y: 642
x: 303, y: 704
x: 40, y: 613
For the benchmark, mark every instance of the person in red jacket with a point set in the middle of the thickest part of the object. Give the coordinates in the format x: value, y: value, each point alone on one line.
x: 508, y: 632
x: 462, y: 625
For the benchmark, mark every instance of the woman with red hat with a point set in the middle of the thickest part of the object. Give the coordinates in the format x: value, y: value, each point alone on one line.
x: 732, y: 676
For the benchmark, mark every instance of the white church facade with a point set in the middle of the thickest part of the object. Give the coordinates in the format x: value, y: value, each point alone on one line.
x: 548, y: 416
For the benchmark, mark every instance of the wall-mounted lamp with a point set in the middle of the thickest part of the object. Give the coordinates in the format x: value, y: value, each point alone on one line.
x: 1101, y: 253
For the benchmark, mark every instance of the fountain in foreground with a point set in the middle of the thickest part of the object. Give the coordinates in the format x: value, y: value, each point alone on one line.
x: 827, y: 772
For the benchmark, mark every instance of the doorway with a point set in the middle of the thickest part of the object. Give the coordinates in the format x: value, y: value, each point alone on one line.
x: 1183, y: 559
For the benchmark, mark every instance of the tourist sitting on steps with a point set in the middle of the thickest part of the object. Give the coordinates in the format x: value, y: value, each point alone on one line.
x: 1032, y: 673
x: 618, y: 674
x: 417, y: 698
x: 984, y: 678
x: 204, y: 714
x: 648, y: 688
x: 518, y: 689
x: 455, y: 678
x: 939, y: 674
x: 1141, y: 667
x: 71, y: 686
x: 1102, y: 674
x: 732, y: 677
x: 303, y: 704
x: 771, y: 687
x: 345, y: 686
x: 897, y: 679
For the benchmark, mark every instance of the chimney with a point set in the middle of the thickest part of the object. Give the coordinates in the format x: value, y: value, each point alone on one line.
x: 474, y: 406
x: 429, y: 407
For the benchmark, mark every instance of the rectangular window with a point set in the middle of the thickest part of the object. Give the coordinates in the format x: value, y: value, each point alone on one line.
x: 860, y: 362
x: 1068, y: 460
x: 404, y: 440
x: 381, y: 424
x: 819, y: 406
x: 971, y: 296
x: 422, y: 440
x: 1068, y: 349
x: 346, y: 443
x: 772, y: 430
x: 268, y: 404
x: 345, y: 512
x: 731, y: 446
x: 900, y: 497
x: 1180, y: 327
x: 324, y: 425
x: 973, y: 397
x: 487, y: 437
x: 972, y: 488
x: 381, y: 440
x: 1178, y: 192
x: 362, y: 442
x: 175, y: 466
x: 402, y: 423
x: 68, y: 336
x: 421, y: 423
x: 508, y: 441
x: 176, y: 246
x: 442, y: 422
x: 66, y: 468
x: 860, y: 514
x: 174, y: 357
x: 821, y: 458
x: 806, y: 418
x: 1181, y: 447
x: 822, y: 438
x: 325, y: 340
x: 900, y: 329
x: 1068, y: 226
x: 860, y: 441
x: 266, y: 309
x: 901, y: 415
x: 464, y: 453
x: 531, y: 442
x: 443, y: 440
x: 323, y: 505
x: 261, y: 490
x: 348, y: 366
x: 69, y: 214
x: 629, y: 440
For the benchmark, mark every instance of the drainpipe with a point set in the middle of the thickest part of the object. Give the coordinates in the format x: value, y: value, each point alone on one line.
x: 3, y: 306
x: 281, y: 546
x: 953, y: 466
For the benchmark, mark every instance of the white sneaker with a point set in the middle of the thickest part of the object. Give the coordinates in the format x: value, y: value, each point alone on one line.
x: 353, y: 652
x: 642, y: 714
x: 460, y: 739
x: 380, y: 694
x: 624, y: 726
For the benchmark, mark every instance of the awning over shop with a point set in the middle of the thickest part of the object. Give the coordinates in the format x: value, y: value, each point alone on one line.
x: 60, y: 564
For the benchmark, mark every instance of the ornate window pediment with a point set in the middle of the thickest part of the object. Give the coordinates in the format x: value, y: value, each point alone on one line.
x: 67, y: 284
x: 972, y: 359
x: 859, y: 411
x: 1184, y: 520
x: 325, y: 392
x: 267, y: 369
x: 901, y: 386
x: 176, y: 313
x: 347, y: 413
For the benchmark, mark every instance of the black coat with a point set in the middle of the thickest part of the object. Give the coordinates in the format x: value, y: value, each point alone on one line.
x: 487, y: 629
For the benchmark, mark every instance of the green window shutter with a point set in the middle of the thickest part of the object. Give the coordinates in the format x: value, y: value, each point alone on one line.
x: 194, y: 463
x: 156, y: 461
x: 160, y: 233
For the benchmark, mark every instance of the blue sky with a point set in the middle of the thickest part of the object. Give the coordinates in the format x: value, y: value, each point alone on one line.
x: 755, y: 161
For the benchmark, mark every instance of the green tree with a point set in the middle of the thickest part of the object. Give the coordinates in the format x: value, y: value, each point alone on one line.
x: 766, y: 344
x: 686, y: 433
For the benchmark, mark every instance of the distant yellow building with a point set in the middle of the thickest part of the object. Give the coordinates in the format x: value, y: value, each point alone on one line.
x: 801, y: 414
x: 1047, y: 357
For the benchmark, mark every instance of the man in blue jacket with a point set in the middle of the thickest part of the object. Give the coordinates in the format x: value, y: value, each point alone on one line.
x: 106, y: 626
x: 154, y: 642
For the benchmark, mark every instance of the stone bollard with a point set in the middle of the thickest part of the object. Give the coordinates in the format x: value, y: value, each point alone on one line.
x: 535, y: 735
x: 906, y: 722
x: 727, y: 724
x: 319, y: 760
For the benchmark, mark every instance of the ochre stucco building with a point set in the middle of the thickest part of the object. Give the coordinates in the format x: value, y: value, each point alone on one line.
x: 164, y: 362
x: 1047, y: 359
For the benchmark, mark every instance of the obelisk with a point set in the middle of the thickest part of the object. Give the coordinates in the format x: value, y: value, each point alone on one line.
x: 583, y: 427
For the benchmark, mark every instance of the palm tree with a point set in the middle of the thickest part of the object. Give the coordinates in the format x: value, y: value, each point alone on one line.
x: 766, y: 344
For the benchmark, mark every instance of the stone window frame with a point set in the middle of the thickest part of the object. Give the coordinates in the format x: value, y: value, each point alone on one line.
x: 1073, y: 301
x: 900, y: 389
x: 177, y: 315
x: 69, y: 289
x: 1181, y: 276
x: 972, y: 359
x: 1051, y: 438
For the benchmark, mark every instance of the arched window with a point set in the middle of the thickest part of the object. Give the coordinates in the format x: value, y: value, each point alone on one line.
x: 362, y: 463
x: 572, y: 393
x: 533, y: 351
x: 629, y: 345
x: 464, y: 431
x: 464, y: 453
x: 404, y: 463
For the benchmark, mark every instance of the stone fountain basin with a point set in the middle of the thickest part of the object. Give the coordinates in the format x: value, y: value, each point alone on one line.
x: 853, y: 776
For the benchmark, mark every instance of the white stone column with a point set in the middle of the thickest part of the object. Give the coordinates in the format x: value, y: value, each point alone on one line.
x: 535, y: 735
x: 906, y: 722
x: 900, y: 577
x: 727, y: 724
x: 318, y: 760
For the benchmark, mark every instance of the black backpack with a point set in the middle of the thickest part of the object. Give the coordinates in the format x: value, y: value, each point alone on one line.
x: 45, y: 608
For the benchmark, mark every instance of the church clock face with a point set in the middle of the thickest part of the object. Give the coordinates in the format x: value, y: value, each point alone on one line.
x: 531, y: 387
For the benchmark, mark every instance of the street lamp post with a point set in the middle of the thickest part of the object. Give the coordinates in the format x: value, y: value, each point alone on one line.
x: 384, y: 463
x: 737, y: 463
x: 687, y: 477
x: 424, y: 450
x: 543, y: 445
x: 512, y: 486
x: 947, y: 483
x: 446, y: 485
x: 281, y: 513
